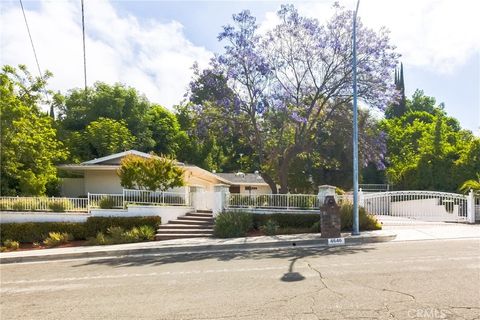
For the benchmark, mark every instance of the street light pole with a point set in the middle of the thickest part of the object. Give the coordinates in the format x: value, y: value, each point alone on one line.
x: 355, y: 229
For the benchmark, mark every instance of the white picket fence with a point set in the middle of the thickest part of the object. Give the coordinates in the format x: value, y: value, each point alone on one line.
x: 273, y: 201
x: 156, y: 197
x: 43, y: 204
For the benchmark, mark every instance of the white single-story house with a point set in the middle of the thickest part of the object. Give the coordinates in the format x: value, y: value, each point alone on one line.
x: 246, y: 183
x: 100, y: 176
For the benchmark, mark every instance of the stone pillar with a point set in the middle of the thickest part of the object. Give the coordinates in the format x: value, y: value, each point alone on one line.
x: 470, y: 207
x: 325, y: 190
x: 330, y: 223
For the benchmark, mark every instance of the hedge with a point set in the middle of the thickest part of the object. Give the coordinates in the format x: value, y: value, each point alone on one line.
x: 304, y: 221
x: 38, y: 231
x: 287, y: 220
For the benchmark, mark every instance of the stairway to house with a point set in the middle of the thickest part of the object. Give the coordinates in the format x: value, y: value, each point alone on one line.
x: 192, y: 225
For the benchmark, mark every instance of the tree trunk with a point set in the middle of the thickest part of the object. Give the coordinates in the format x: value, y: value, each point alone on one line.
x: 290, y: 153
x: 271, y: 183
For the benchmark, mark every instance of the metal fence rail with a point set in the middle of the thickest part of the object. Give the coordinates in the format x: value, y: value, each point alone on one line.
x: 273, y: 201
x: 156, y: 197
x: 43, y: 204
x: 419, y: 205
x: 105, y: 201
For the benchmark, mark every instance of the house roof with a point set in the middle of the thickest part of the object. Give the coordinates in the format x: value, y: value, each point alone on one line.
x: 112, y: 162
x: 241, y: 178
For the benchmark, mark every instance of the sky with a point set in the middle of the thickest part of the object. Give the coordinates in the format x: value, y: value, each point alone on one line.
x: 152, y: 45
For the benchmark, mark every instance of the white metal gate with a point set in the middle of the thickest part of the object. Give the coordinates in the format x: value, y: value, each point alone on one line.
x: 417, y: 205
x: 202, y: 200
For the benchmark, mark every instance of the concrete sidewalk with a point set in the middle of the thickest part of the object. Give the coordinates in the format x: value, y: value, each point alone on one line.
x: 433, y: 231
x: 190, y: 246
x: 417, y: 231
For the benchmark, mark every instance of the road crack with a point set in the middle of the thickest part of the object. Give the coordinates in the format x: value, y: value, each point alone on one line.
x: 322, y: 280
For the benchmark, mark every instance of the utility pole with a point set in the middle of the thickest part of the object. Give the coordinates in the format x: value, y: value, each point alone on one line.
x: 355, y: 229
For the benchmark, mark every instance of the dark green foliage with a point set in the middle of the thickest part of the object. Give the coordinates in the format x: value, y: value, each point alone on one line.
x: 106, y: 203
x: 286, y: 220
x: 38, y: 231
x: 101, y: 224
x: 366, y: 221
x: 270, y: 228
x: 58, y: 205
x: 232, y: 224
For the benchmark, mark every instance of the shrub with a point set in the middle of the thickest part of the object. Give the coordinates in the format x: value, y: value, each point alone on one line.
x: 38, y: 231
x: 106, y: 203
x: 131, y: 235
x: 58, y: 205
x: 366, y: 221
x: 116, y: 234
x: 100, y: 239
x: 232, y: 224
x: 270, y: 228
x: 21, y: 205
x: 95, y: 225
x: 286, y: 220
x: 146, y: 233
x: 4, y: 205
x: 56, y: 238
x: 11, y: 245
x: 315, y: 227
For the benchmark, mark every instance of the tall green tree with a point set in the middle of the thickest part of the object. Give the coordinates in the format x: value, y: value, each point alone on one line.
x: 29, y: 144
x: 106, y: 136
x: 427, y: 150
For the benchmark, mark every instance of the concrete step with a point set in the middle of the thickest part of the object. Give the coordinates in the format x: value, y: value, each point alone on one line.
x: 206, y: 232
x: 185, y: 226
x: 197, y: 219
x: 204, y: 211
x: 178, y: 236
x: 190, y: 221
x: 202, y: 219
x: 205, y: 215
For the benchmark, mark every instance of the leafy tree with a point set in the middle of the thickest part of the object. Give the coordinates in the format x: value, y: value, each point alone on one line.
x: 106, y: 136
x: 286, y: 84
x: 155, y: 173
x: 428, y: 150
x: 117, y: 102
x: 29, y: 144
x: 164, y: 129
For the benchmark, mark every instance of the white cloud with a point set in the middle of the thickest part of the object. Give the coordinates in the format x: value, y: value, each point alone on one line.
x: 153, y: 57
x: 438, y: 35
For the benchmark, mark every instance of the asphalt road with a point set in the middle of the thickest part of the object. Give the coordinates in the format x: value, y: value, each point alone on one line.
x: 404, y: 280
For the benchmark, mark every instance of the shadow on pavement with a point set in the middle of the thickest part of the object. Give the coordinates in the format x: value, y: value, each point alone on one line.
x: 293, y: 253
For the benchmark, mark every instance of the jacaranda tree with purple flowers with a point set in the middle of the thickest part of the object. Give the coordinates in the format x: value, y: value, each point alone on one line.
x: 287, y: 83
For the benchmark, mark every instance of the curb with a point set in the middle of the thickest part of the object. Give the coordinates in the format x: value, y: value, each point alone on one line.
x: 317, y: 243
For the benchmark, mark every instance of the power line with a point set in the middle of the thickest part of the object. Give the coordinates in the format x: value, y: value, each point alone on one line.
x: 84, y: 54
x: 31, y: 40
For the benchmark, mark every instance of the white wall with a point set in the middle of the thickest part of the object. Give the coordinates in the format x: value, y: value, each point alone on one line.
x: 166, y: 213
x: 102, y: 182
x: 7, y: 217
x: 73, y: 187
